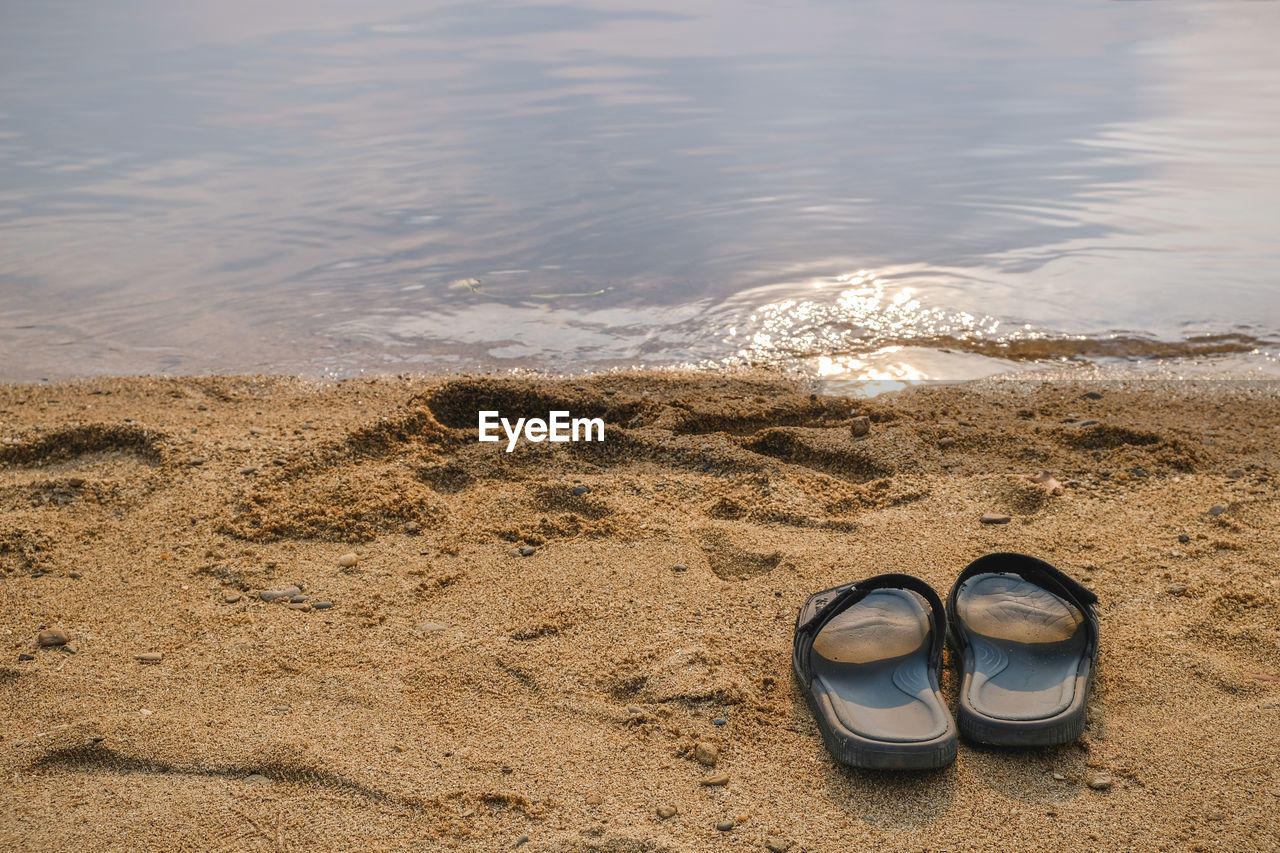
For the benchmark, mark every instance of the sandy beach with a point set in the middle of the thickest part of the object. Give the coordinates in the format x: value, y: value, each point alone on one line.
x: 552, y: 648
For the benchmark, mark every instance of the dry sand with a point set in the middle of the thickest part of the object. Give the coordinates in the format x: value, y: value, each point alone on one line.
x: 457, y: 697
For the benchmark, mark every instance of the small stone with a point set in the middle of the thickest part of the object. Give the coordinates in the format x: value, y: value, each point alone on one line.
x: 594, y: 799
x: 774, y: 844
x: 270, y: 595
x: 282, y: 709
x: 1139, y: 471
x: 724, y: 825
x: 1184, y: 538
x: 527, y: 550
x: 149, y: 657
x: 195, y: 463
x: 1091, y: 395
x: 297, y: 599
x: 706, y: 754
x: 1059, y: 777
x: 719, y: 721
x: 945, y: 442
x: 859, y: 426
x: 1235, y: 474
x: 514, y: 552
x: 995, y: 518
x: 52, y: 637
x: 579, y: 491
x: 717, y: 781
x: 666, y: 812
x: 322, y: 605
x: 348, y: 560
x: 522, y: 840
x: 432, y: 627
x: 1177, y: 589
x: 412, y: 528
x: 25, y: 656
x: 231, y: 597
x: 1087, y: 423
x: 75, y: 576
x: 1050, y: 482
x: 301, y: 605
x: 1217, y: 509
x: 256, y: 779
x: 249, y: 469
x: 679, y: 567
x: 75, y: 482
x: 1099, y: 782
x: 146, y: 712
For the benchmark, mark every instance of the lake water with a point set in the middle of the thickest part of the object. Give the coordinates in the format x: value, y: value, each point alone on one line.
x: 891, y: 190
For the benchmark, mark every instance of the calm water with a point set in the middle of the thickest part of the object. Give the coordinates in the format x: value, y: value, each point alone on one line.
x: 881, y: 189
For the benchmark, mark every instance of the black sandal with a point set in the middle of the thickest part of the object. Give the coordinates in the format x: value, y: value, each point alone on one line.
x: 1026, y: 636
x: 866, y: 655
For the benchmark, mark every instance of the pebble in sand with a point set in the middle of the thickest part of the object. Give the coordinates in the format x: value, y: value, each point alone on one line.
x: 52, y: 637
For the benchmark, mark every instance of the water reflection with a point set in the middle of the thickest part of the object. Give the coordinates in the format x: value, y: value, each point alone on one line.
x: 240, y: 186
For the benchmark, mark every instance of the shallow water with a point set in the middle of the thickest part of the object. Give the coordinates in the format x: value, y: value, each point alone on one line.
x: 870, y: 190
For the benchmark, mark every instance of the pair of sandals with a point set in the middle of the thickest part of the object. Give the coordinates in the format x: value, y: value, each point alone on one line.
x: 867, y: 655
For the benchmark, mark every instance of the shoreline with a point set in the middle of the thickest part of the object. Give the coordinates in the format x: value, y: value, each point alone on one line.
x: 455, y: 694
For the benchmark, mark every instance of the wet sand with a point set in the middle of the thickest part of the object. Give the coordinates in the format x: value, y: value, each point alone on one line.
x: 455, y: 696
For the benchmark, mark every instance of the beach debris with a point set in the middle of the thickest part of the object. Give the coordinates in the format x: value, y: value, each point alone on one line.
x: 717, y: 781
x: 149, y: 657
x: 1050, y: 482
x: 270, y: 595
x: 860, y: 426
x: 50, y: 637
x: 1099, y: 781
x: 348, y: 560
x: 725, y: 825
x: 995, y: 518
x: 706, y: 754
x: 666, y: 812
x: 1217, y: 510
x: 774, y: 844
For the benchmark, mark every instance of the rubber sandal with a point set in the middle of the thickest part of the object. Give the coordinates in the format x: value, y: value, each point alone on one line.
x: 866, y: 656
x: 1027, y: 640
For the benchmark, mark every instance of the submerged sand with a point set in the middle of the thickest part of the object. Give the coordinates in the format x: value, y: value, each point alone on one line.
x: 457, y: 697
